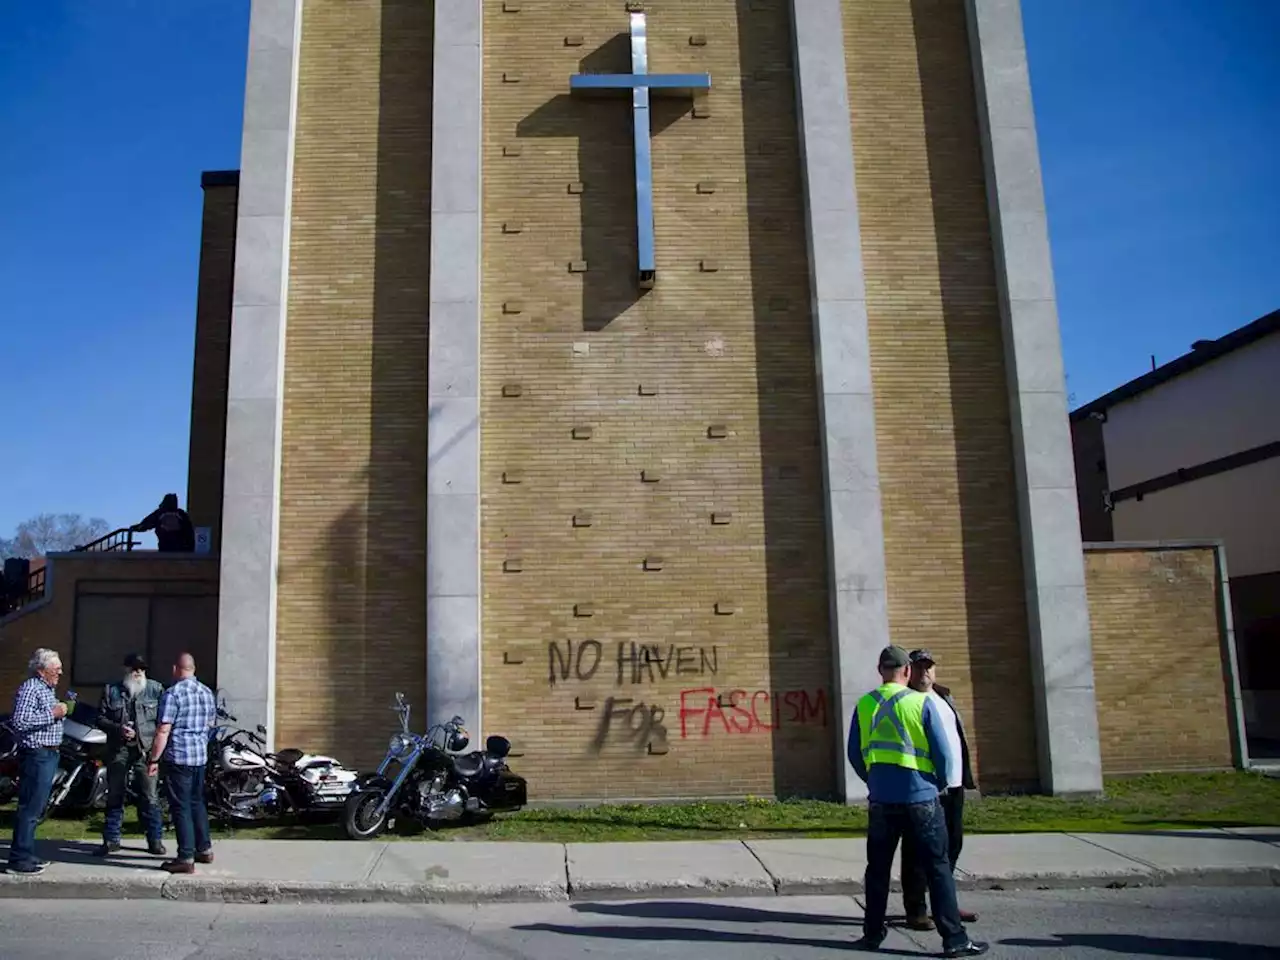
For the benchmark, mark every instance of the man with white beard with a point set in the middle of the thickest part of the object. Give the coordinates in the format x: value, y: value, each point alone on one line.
x: 128, y: 715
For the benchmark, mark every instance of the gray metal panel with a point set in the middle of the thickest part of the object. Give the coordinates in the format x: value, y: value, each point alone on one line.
x: 855, y: 524
x: 255, y: 379
x: 1052, y: 552
x: 453, y: 375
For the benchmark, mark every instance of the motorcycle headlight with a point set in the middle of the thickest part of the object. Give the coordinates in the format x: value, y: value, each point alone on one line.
x: 399, y: 745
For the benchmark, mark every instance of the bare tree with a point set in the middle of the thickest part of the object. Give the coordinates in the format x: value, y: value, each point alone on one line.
x: 52, y: 533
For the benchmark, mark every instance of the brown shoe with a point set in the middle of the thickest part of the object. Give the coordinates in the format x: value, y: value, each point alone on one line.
x: 206, y: 857
x: 178, y: 866
x: 968, y: 916
x: 919, y: 923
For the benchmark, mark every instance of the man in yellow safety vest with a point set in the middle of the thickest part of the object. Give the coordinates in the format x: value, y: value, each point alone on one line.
x: 898, y: 747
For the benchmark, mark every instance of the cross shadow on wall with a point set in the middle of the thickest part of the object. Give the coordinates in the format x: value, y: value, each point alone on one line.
x: 606, y: 168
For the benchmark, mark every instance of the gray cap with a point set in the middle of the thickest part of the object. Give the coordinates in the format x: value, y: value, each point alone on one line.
x: 894, y: 657
x: 923, y: 655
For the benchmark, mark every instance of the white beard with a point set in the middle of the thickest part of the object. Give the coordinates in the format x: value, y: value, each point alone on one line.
x: 132, y: 686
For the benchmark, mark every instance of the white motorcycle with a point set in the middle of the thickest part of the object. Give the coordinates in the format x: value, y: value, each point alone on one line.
x: 244, y: 782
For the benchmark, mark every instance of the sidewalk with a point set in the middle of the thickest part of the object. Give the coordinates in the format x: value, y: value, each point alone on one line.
x: 264, y: 871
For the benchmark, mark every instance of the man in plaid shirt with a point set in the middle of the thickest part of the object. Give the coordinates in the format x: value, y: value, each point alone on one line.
x: 188, y: 712
x: 37, y: 721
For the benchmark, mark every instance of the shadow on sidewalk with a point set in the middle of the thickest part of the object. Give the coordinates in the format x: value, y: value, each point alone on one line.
x: 132, y: 856
x: 1135, y: 945
x: 702, y: 935
x: 710, y: 912
x: 722, y: 913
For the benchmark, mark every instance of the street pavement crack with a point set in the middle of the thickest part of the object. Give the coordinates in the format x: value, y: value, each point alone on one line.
x: 774, y: 881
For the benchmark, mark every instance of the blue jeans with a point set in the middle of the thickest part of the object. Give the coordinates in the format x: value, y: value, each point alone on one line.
x: 35, y: 780
x: 927, y: 825
x: 185, y: 786
x: 125, y: 760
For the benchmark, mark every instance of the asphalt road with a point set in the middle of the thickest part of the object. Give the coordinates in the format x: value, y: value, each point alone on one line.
x: 1217, y: 924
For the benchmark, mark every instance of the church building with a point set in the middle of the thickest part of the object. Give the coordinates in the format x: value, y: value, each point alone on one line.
x: 623, y: 376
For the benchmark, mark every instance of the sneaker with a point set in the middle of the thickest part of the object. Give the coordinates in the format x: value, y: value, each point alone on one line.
x: 868, y: 943
x: 107, y: 848
x: 206, y: 857
x: 968, y: 916
x: 156, y: 848
x: 26, y: 869
x: 973, y: 948
x: 186, y: 866
x: 920, y: 923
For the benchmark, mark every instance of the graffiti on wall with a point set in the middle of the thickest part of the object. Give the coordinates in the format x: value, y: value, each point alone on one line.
x: 705, y: 712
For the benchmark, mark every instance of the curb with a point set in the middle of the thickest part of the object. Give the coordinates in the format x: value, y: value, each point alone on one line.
x: 300, y: 892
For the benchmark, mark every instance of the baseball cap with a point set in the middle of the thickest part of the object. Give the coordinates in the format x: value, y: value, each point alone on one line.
x: 134, y: 661
x: 893, y: 656
x: 924, y: 655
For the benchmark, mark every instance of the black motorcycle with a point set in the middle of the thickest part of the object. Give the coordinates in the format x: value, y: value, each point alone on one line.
x: 434, y: 784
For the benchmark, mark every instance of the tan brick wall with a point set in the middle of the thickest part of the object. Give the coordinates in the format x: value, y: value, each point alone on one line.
x: 953, y: 557
x: 728, y: 347
x: 351, y: 610
x: 52, y: 624
x: 212, y: 353
x: 1157, y: 660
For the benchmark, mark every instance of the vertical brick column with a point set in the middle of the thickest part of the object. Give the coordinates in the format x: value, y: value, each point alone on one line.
x: 855, y: 526
x: 453, y: 431
x: 212, y: 351
x: 1053, y: 559
x: 255, y: 381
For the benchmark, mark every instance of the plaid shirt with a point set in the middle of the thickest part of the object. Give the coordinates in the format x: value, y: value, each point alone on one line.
x: 32, y: 717
x: 189, y: 706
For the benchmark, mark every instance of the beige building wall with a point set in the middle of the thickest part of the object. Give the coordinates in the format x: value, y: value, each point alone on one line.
x: 952, y: 553
x: 350, y: 617
x: 1164, y: 690
x: 678, y: 427
x: 212, y: 352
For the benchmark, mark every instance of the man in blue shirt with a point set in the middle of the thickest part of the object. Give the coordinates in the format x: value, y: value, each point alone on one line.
x: 898, y: 747
x: 37, y: 723
x: 188, y: 712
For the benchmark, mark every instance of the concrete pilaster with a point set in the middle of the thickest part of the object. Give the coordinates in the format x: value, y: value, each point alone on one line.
x: 1053, y: 557
x: 255, y: 383
x: 453, y: 441
x: 855, y: 526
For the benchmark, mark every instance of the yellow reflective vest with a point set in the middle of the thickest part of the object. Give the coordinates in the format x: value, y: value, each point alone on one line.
x: 891, y: 728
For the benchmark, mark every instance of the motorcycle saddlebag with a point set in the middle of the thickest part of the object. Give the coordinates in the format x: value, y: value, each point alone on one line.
x: 511, y: 792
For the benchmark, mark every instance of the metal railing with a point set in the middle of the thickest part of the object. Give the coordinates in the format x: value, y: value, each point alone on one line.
x: 122, y: 539
x: 36, y: 583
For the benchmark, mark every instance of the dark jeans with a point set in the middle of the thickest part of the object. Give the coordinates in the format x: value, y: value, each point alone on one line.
x: 185, y: 786
x: 888, y: 822
x: 914, y: 881
x: 35, y: 780
x: 118, y: 766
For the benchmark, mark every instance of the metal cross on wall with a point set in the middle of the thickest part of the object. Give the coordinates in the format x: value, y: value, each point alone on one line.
x: 639, y: 82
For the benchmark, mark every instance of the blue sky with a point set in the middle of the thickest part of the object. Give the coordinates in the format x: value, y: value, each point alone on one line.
x: 1158, y: 135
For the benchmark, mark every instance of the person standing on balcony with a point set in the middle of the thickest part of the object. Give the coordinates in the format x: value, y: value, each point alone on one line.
x: 128, y: 713
x: 37, y: 722
x: 174, y: 530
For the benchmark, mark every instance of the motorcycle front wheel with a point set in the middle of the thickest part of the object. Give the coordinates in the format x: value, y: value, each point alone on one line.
x: 360, y: 817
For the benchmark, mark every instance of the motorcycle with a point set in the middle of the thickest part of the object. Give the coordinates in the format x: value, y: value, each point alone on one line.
x: 80, y: 782
x: 9, y: 763
x: 436, y: 782
x: 244, y: 782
